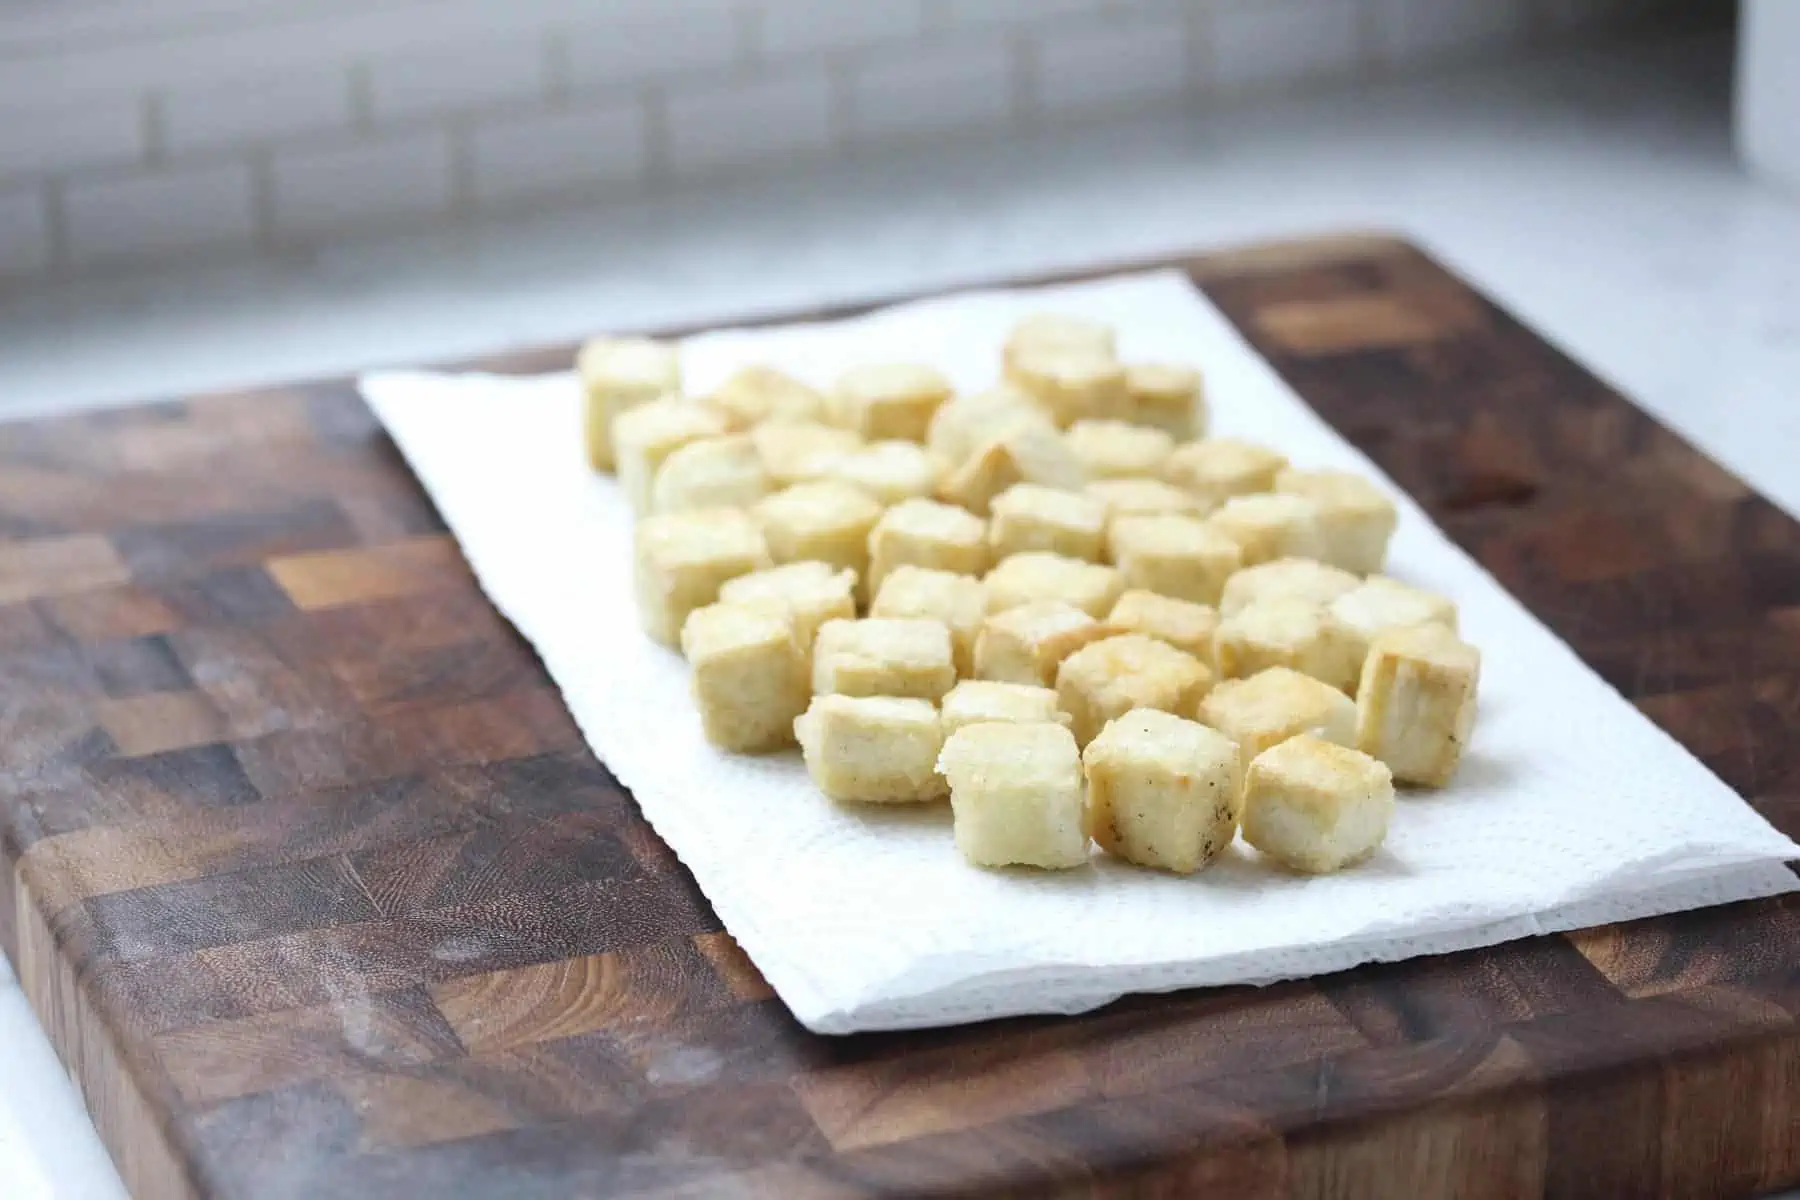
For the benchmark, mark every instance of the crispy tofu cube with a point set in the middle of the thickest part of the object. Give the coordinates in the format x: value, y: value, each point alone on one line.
x: 890, y: 400
x: 801, y: 451
x: 1071, y: 385
x: 1274, y: 705
x: 618, y: 374
x: 884, y: 656
x: 749, y: 681
x: 681, y: 560
x: 1058, y: 332
x: 1267, y: 526
x: 1110, y: 677
x: 1118, y: 449
x: 872, y: 749
x: 1143, y: 498
x: 1028, y: 517
x: 1016, y: 795
x: 1028, y: 643
x: 963, y: 424
x: 645, y: 436
x: 756, y: 394
x: 1217, y: 469
x: 1355, y: 519
x: 1304, y: 578
x: 1163, y: 791
x: 1036, y: 575
x: 1315, y: 806
x: 1027, y: 452
x: 713, y: 472
x: 805, y: 594
x: 959, y: 601
x: 1283, y: 632
x: 974, y: 701
x: 889, y: 471
x: 1167, y: 396
x: 820, y: 522
x: 927, y: 534
x: 1416, y: 702
x: 1375, y: 606
x: 1187, y: 626
x: 1174, y: 556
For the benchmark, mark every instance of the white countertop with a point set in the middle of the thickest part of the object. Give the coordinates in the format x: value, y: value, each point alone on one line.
x: 1595, y: 195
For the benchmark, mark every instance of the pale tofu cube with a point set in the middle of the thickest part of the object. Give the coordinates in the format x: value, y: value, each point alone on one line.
x: 1218, y: 468
x: 805, y: 594
x: 1027, y: 644
x: 756, y: 394
x: 1143, y: 498
x: 884, y: 656
x: 1355, y: 519
x: 801, y: 451
x: 927, y: 534
x: 1187, y: 626
x: 1110, y: 677
x: 1029, y: 517
x: 959, y: 601
x: 1163, y: 791
x: 820, y: 522
x: 1315, y: 806
x: 1268, y: 526
x: 1416, y: 703
x: 1274, y: 705
x: 714, y: 472
x: 1283, y: 632
x: 1303, y: 578
x: 1036, y: 575
x: 681, y: 560
x: 618, y: 374
x: 1375, y: 606
x: 1016, y: 795
x: 1181, y: 557
x: 890, y: 400
x: 963, y: 424
x: 1059, y: 332
x: 974, y: 701
x: 645, y: 436
x: 889, y: 471
x: 1167, y: 396
x: 872, y: 749
x: 1027, y: 452
x: 1070, y: 385
x: 1118, y: 449
x: 748, y: 681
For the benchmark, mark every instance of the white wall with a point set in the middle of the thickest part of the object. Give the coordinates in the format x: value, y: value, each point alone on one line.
x: 1768, y: 90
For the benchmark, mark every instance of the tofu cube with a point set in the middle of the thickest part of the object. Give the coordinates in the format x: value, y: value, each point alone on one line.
x: 1070, y: 385
x: 1110, y: 677
x: 1163, y: 791
x: 801, y: 451
x: 1181, y: 557
x: 890, y: 400
x: 959, y: 601
x: 1026, y: 452
x: 1416, y: 702
x: 884, y: 656
x: 713, y: 472
x: 889, y: 471
x: 1217, y: 469
x: 1016, y: 795
x: 1118, y: 449
x: 872, y: 749
x: 1058, y: 332
x: 925, y: 533
x: 1143, y: 498
x: 680, y: 561
x: 1269, y: 526
x: 1166, y: 396
x: 749, y: 681
x: 805, y: 594
x: 1027, y: 644
x: 1284, y: 632
x: 974, y: 701
x: 1375, y: 606
x: 1036, y: 575
x: 1315, y: 806
x: 1274, y: 705
x: 820, y: 522
x: 1304, y: 578
x: 1028, y: 517
x: 963, y: 424
x: 618, y: 374
x: 1187, y: 626
x: 645, y: 436
x: 1355, y: 519
x: 756, y: 394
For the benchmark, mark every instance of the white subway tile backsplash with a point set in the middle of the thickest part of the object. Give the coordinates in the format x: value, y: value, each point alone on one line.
x: 254, y: 111
x: 360, y: 184
x: 557, y: 153
x: 1283, y: 41
x: 157, y: 214
x: 771, y: 119
x: 460, y: 77
x: 963, y: 14
x: 1096, y: 68
x: 46, y: 140
x: 630, y: 52
x: 953, y: 90
x: 788, y: 28
x: 1411, y: 30
x: 24, y: 232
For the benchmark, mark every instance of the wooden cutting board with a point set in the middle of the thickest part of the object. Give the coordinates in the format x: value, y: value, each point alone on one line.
x: 319, y: 892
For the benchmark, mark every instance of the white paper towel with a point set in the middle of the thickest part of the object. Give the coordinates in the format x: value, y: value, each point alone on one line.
x: 1570, y: 809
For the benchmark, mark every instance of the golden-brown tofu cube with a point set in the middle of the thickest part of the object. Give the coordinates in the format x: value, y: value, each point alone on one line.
x: 1315, y: 806
x: 1118, y: 449
x: 805, y: 594
x: 1416, y: 702
x: 1058, y: 332
x: 963, y: 424
x: 1274, y: 705
x: 927, y: 534
x: 959, y: 601
x: 1175, y: 556
x: 884, y: 656
x: 974, y: 701
x: 1110, y: 677
x: 1355, y: 519
x: 1071, y: 385
x: 713, y: 472
x: 1016, y: 795
x: 645, y: 436
x: 890, y: 400
x: 1143, y: 498
x: 1028, y: 643
x: 618, y: 374
x: 1026, y: 452
x: 1217, y: 469
x: 1375, y: 606
x: 1167, y: 396
x: 748, y: 678
x: 1283, y: 632
x: 1163, y: 791
x: 797, y: 451
x: 1268, y: 526
x: 889, y: 471
x: 1036, y: 575
x: 820, y: 522
x: 681, y: 560
x: 872, y: 749
x: 756, y: 394
x: 1304, y: 578
x: 1028, y: 517
x: 1187, y: 626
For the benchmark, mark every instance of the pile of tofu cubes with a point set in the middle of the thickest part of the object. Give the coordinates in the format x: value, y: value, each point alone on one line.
x: 1058, y: 602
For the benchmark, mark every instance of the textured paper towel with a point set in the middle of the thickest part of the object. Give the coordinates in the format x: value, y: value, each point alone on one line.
x: 1570, y: 809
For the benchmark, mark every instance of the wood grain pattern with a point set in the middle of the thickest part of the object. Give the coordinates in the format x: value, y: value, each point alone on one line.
x: 319, y: 892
